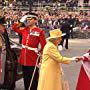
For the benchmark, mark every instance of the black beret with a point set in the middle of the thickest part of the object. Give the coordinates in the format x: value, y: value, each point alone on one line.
x: 32, y: 15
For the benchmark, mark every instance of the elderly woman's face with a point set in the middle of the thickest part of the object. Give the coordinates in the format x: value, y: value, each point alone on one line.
x: 2, y: 28
x: 58, y: 40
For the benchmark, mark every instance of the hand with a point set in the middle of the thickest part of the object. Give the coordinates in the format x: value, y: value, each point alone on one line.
x: 23, y: 18
x: 74, y: 58
x: 20, y: 24
x: 79, y: 58
x: 38, y: 65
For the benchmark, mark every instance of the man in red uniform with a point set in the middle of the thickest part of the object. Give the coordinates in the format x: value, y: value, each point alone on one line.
x: 32, y: 36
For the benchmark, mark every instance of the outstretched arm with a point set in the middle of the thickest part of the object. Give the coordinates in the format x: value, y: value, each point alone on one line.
x: 84, y: 57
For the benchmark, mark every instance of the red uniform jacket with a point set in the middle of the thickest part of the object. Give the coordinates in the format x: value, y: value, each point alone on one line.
x: 30, y: 38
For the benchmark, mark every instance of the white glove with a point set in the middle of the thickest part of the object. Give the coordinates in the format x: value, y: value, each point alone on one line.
x: 13, y: 46
x: 23, y: 18
x: 60, y: 48
x: 74, y: 59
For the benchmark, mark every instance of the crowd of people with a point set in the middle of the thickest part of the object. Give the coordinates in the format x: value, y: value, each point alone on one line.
x: 68, y: 22
x: 51, y: 19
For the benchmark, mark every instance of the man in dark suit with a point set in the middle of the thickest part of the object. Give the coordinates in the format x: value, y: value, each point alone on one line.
x: 65, y: 28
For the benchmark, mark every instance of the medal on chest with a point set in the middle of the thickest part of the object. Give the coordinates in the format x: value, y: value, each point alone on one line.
x: 34, y: 33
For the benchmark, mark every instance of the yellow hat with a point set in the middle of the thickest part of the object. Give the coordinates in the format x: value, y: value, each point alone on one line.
x: 56, y: 33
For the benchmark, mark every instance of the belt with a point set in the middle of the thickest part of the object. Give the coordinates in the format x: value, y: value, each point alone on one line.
x: 30, y: 48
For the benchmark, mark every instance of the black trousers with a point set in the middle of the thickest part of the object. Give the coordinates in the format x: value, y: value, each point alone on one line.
x: 27, y: 75
x: 20, y: 38
x: 66, y: 43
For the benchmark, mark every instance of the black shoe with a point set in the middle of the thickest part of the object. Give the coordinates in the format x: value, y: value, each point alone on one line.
x: 66, y: 47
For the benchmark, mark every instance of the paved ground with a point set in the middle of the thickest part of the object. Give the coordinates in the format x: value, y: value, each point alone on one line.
x: 76, y: 47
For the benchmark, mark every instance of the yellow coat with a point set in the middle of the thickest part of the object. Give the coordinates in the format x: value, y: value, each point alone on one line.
x: 50, y: 71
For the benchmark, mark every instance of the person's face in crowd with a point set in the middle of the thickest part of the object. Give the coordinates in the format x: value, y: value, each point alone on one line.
x: 31, y: 21
x: 2, y: 28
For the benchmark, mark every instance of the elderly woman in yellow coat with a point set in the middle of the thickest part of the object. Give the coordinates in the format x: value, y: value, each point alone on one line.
x: 50, y: 71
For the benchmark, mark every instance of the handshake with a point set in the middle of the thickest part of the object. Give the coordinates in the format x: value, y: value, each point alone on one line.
x: 83, y: 57
x: 77, y: 58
